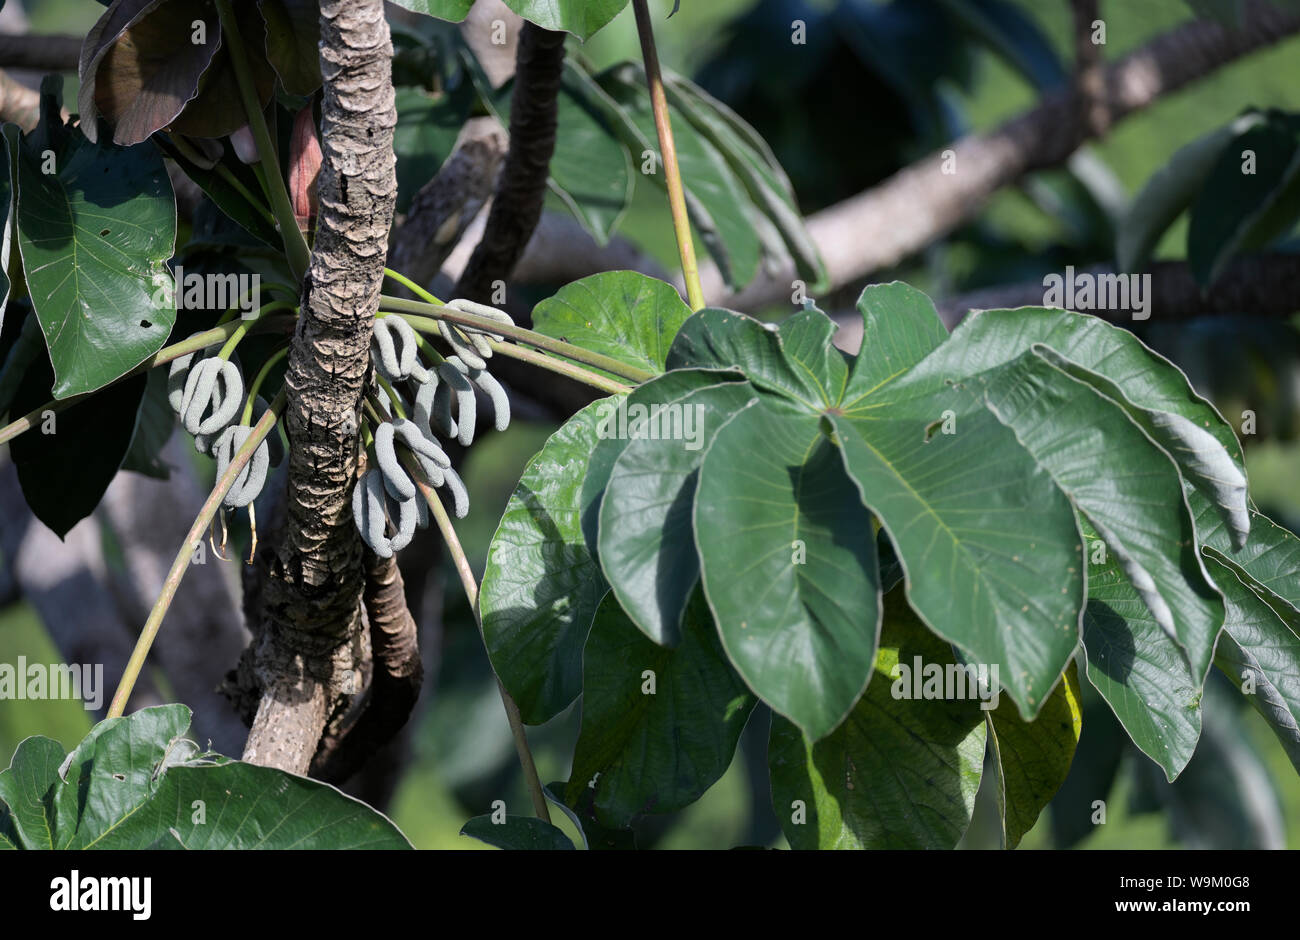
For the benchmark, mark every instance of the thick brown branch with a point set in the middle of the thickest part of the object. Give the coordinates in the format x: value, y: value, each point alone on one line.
x: 518, y: 202
x: 880, y: 227
x: 395, y: 683
x: 307, y: 653
x: 1089, y: 71
x: 1259, y: 285
x: 40, y: 53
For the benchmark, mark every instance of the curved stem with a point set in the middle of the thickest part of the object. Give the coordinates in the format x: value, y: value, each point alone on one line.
x: 253, y: 389
x: 295, y: 246
x: 246, y: 324
x: 185, y: 556
x: 672, y: 171
x: 470, y: 586
x: 560, y: 367
x: 410, y: 285
x: 517, y: 333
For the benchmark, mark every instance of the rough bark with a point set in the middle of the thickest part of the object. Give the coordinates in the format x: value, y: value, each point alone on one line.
x: 517, y: 206
x: 395, y: 681
x: 309, y: 645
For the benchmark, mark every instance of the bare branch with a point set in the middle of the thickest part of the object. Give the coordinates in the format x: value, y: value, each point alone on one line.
x: 40, y: 53
x: 1259, y: 285
x: 518, y: 202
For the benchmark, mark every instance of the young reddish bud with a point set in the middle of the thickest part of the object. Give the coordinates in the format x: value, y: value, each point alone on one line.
x: 304, y: 167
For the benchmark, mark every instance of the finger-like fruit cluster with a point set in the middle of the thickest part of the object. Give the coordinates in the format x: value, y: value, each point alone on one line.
x: 387, y: 492
x: 208, y: 393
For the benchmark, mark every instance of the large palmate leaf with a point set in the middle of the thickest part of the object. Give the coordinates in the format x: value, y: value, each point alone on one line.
x: 150, y: 64
x: 659, y: 392
x: 659, y: 726
x: 1150, y: 389
x: 67, y: 461
x: 94, y: 235
x: 541, y: 586
x: 1170, y: 191
x: 292, y: 40
x: 1137, y: 507
x: 646, y: 513
x: 1139, y: 669
x: 766, y: 183
x: 138, y: 782
x: 1259, y: 650
x: 901, y: 772
x: 715, y: 199
x: 1032, y: 759
x: 788, y: 561
x: 1239, y: 210
x: 621, y: 314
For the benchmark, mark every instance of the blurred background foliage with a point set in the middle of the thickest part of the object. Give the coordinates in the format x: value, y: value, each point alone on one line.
x: 876, y: 86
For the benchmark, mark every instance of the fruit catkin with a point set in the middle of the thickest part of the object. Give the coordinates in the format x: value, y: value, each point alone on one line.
x: 491, y: 387
x: 459, y: 344
x: 368, y: 512
x: 481, y: 310
x: 396, y: 480
x: 176, y: 378
x: 459, y: 495
x: 213, y: 393
x: 250, y: 480
x: 393, y: 348
x: 454, y: 380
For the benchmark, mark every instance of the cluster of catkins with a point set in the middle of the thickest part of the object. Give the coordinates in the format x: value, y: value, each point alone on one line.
x: 208, y: 394
x: 387, y: 491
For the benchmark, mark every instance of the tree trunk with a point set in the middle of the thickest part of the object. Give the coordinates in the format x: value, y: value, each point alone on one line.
x: 306, y: 656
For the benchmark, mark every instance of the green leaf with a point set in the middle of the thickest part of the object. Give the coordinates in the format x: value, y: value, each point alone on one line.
x: 715, y: 199
x: 292, y: 41
x: 94, y: 236
x: 6, y: 227
x: 1169, y: 191
x: 68, y: 460
x: 900, y: 327
x: 1151, y: 390
x: 622, y: 314
x: 768, y: 187
x: 591, y: 171
x: 1259, y: 651
x: 788, y: 561
x: 1129, y: 490
x: 899, y: 773
x: 231, y: 197
x: 662, y: 390
x: 25, y: 790
x: 1032, y: 759
x: 153, y: 429
x: 1140, y: 671
x: 1237, y: 209
x: 646, y: 540
x: 138, y: 782
x: 722, y: 339
x: 980, y: 528
x: 541, y: 586
x: 525, y: 833
x: 659, y: 726
x: 580, y: 17
x: 1012, y: 34
x: 451, y: 10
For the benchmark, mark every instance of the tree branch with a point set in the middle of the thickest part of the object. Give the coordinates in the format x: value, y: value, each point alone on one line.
x: 40, y: 53
x: 1265, y: 285
x: 880, y: 227
x: 395, y: 681
x: 306, y: 658
x: 522, y: 187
